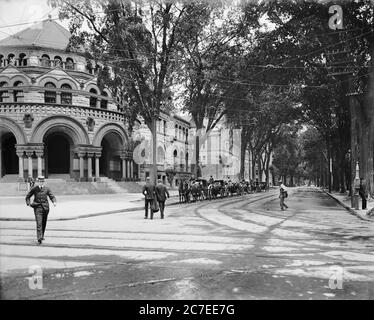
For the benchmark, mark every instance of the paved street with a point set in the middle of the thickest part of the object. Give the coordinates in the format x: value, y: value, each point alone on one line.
x: 235, y: 248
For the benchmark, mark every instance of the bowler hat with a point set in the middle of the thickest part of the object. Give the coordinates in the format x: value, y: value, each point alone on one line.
x: 41, y: 178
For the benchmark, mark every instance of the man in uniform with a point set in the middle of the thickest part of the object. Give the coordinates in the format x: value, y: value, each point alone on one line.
x: 40, y: 205
x: 149, y: 193
x: 161, y: 193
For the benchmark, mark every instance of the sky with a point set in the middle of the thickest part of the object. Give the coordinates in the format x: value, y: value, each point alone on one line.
x: 23, y: 12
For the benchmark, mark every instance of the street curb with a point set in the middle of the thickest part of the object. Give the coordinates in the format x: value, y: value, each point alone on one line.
x: 348, y: 208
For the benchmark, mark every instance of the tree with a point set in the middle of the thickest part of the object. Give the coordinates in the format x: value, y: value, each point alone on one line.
x: 138, y: 41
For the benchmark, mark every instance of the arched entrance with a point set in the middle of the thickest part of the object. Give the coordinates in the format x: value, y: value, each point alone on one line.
x: 57, y: 153
x: 110, y: 161
x: 9, y: 158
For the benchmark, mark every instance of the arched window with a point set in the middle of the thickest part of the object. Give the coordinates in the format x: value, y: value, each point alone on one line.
x: 58, y: 61
x: 66, y: 96
x: 22, y: 60
x: 186, y: 135
x: 11, y: 58
x: 181, y: 163
x: 176, y: 131
x: 18, y: 94
x: 175, y: 154
x: 3, y: 93
x: 93, y: 100
x: 104, y: 101
x: 49, y: 93
x: 46, y: 61
x: 69, y: 64
x: 1, y: 60
x: 160, y: 155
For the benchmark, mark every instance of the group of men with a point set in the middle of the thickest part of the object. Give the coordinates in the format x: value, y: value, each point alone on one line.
x: 152, y: 194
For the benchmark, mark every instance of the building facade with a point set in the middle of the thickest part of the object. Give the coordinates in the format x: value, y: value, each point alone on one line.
x: 55, y: 121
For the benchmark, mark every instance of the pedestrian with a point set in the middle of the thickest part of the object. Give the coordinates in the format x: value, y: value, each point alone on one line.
x: 363, y: 193
x: 40, y: 205
x: 161, y: 193
x: 283, y: 193
x: 31, y: 182
x: 149, y: 193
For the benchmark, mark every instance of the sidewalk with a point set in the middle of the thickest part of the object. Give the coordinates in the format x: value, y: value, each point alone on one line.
x: 345, y: 201
x: 77, y: 206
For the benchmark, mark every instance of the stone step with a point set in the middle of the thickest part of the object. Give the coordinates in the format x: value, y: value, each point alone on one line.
x: 9, y: 178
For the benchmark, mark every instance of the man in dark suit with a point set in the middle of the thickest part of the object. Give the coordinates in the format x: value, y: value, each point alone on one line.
x: 40, y: 205
x: 161, y: 193
x: 149, y: 193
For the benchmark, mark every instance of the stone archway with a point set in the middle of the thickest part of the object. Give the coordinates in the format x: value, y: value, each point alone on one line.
x: 11, y: 135
x: 113, y: 162
x: 60, y: 136
x: 111, y: 151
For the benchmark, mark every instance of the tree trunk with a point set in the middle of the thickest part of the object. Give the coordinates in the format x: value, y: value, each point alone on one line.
x: 243, y: 150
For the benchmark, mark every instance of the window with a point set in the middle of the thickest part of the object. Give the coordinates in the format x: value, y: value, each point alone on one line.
x: 22, y: 60
x: 46, y: 61
x: 160, y: 155
x: 11, y: 58
x: 49, y: 95
x: 66, y: 96
x: 104, y: 102
x: 93, y: 100
x: 1, y: 60
x: 3, y: 93
x: 57, y: 61
x: 18, y: 94
x: 69, y: 64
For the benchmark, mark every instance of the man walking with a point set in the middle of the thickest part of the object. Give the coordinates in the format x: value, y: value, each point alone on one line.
x: 282, y: 195
x: 41, y: 206
x: 149, y: 193
x: 161, y: 193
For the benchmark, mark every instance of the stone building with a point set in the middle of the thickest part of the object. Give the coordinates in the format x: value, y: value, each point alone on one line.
x: 173, y: 134
x: 55, y: 121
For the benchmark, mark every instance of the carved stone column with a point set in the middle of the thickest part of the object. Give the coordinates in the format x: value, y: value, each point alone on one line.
x: 131, y: 169
x: 89, y: 166
x: 81, y: 166
x: 20, y: 165
x: 97, y: 167
x: 40, y: 163
x: 124, y: 166
x: 29, y: 156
